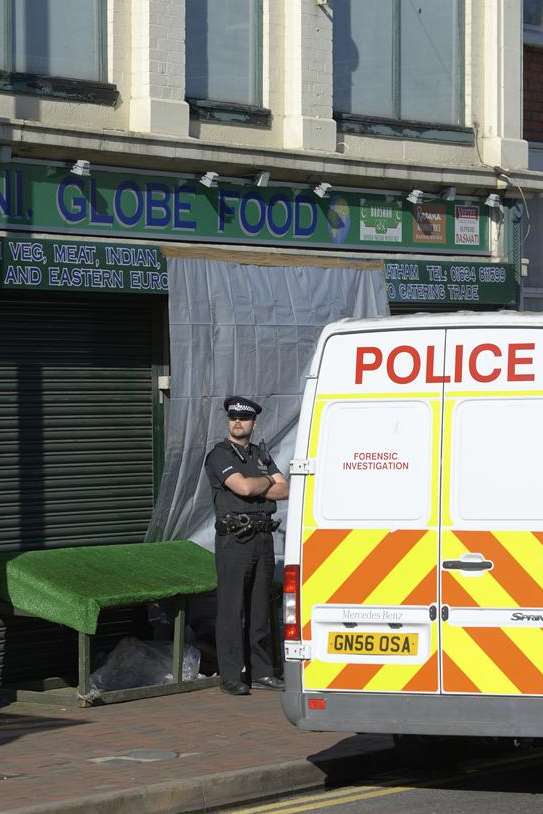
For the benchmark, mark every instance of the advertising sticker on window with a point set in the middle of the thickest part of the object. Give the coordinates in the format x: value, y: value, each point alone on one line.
x: 430, y: 224
x: 466, y: 225
x: 380, y: 222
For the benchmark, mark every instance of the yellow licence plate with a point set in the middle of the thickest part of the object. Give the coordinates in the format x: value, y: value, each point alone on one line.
x: 373, y: 644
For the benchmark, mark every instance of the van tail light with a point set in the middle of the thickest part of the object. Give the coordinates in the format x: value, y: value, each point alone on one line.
x: 291, y: 603
x: 317, y: 703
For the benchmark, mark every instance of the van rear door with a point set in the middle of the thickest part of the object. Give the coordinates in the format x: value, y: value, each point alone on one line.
x: 492, y: 541
x: 369, y: 576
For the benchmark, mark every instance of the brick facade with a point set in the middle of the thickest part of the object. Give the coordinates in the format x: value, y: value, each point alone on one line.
x: 533, y: 93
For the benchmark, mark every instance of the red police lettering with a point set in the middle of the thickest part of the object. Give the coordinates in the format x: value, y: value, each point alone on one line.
x: 415, y: 370
x: 472, y: 364
x: 513, y: 360
x: 431, y: 377
x: 458, y: 362
x: 362, y: 365
x: 481, y: 363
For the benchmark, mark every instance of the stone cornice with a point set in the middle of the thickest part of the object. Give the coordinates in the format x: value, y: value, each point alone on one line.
x: 130, y: 149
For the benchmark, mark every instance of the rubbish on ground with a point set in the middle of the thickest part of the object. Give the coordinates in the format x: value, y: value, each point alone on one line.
x: 136, y: 663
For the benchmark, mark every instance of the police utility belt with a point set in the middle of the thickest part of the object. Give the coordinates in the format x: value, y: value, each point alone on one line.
x: 245, y: 526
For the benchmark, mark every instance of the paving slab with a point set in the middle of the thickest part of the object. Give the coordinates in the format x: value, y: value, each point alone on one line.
x: 167, y: 755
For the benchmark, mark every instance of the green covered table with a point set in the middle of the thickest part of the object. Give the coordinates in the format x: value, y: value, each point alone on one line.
x: 70, y: 586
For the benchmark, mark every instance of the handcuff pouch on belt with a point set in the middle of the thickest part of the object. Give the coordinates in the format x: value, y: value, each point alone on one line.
x: 244, y: 527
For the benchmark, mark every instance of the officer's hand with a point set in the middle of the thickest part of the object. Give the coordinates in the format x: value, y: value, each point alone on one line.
x: 264, y: 453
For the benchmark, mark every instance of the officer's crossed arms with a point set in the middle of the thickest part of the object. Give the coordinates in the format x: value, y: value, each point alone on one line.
x: 274, y: 487
x: 241, y: 424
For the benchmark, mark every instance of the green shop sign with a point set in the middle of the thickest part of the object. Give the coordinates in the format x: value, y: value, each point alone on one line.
x: 437, y: 282
x: 47, y: 198
x: 74, y: 265
x: 67, y: 265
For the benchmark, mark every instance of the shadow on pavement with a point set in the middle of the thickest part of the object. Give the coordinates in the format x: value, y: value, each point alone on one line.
x: 497, y: 765
x: 355, y: 758
x: 14, y: 726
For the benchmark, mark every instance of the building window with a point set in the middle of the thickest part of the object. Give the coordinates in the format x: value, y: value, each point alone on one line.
x: 533, y: 22
x: 223, y: 51
x: 54, y: 38
x: 399, y: 59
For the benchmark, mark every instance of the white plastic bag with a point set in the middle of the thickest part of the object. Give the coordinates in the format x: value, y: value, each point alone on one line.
x: 135, y: 663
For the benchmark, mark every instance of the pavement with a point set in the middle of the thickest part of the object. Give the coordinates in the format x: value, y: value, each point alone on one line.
x: 180, y: 753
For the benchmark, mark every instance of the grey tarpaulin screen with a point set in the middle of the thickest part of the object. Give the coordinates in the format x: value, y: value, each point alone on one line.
x: 244, y: 329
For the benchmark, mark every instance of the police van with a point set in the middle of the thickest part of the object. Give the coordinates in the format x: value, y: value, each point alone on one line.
x: 413, y: 581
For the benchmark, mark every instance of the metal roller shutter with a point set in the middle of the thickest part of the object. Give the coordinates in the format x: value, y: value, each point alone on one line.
x: 76, y: 423
x: 76, y: 449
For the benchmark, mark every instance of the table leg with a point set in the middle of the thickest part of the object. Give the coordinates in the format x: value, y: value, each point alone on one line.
x: 84, y: 667
x: 178, y: 642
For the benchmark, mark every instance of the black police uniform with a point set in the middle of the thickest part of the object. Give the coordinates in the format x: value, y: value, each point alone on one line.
x: 244, y: 569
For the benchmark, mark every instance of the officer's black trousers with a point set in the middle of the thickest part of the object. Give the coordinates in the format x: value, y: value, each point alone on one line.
x: 245, y: 574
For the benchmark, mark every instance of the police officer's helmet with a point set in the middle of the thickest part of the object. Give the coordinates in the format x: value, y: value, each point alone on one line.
x: 241, y: 407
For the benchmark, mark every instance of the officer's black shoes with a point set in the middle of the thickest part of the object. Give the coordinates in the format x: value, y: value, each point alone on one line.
x: 268, y: 683
x: 235, y: 687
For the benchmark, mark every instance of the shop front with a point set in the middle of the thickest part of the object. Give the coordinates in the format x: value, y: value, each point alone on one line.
x: 91, y: 266
x: 87, y: 258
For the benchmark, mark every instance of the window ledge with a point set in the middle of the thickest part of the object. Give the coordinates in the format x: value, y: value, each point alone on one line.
x: 393, y: 128
x: 59, y: 87
x: 208, y: 110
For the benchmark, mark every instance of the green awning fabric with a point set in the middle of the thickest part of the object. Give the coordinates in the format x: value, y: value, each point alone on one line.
x: 70, y: 586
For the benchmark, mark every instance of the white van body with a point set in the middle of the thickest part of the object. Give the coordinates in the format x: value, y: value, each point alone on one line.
x: 414, y: 545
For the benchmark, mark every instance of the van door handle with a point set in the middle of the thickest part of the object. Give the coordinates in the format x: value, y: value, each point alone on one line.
x: 468, y: 565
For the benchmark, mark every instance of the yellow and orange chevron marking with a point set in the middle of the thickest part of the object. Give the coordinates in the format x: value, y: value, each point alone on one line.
x: 374, y: 567
x: 504, y: 661
x: 516, y: 579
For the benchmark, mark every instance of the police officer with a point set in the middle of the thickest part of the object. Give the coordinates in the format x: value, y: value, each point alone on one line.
x: 245, y: 483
